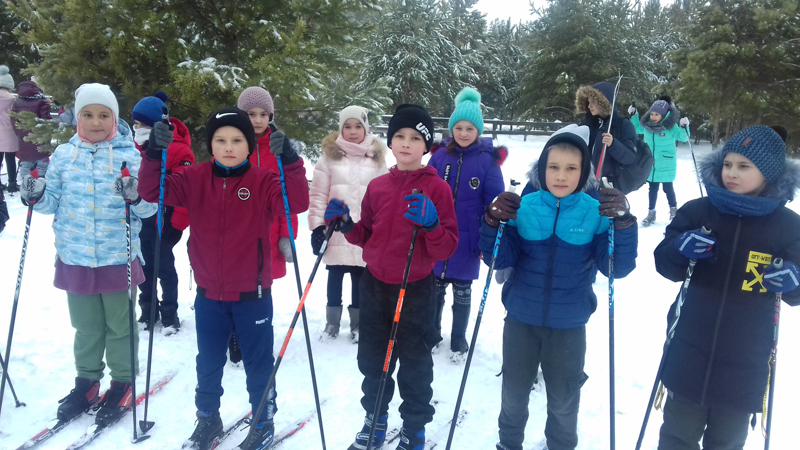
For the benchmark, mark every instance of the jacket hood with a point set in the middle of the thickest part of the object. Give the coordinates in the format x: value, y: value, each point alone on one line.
x: 672, y: 118
x: 537, y: 183
x: 783, y: 188
x: 181, y: 133
x: 124, y: 137
x: 484, y: 144
x: 601, y: 93
x: 332, y: 151
x: 29, y: 89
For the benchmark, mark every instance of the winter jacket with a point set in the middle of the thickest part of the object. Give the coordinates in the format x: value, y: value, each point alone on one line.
x: 554, y: 245
x: 231, y: 212
x: 385, y: 235
x: 623, y: 150
x: 263, y: 157
x: 661, y: 138
x: 179, y: 157
x: 31, y: 99
x: 9, y: 143
x: 89, y: 221
x: 345, y: 177
x: 476, y: 172
x: 721, y: 348
x: 3, y: 212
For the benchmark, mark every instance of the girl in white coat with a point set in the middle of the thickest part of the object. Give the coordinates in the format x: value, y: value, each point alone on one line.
x: 350, y: 159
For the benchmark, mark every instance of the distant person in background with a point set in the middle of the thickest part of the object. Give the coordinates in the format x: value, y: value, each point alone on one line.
x: 8, y: 137
x: 31, y: 99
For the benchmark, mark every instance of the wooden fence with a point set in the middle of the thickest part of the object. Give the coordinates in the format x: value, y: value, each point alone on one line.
x: 493, y: 127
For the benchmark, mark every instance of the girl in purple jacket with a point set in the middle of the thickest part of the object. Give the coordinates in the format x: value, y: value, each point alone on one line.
x: 471, y: 166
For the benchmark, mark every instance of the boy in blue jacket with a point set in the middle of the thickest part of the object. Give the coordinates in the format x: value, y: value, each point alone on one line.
x: 553, y: 240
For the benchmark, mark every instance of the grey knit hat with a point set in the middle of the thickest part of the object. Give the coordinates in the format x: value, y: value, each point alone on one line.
x: 6, y: 81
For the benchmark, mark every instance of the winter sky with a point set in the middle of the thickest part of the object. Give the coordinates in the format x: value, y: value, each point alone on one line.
x: 517, y: 10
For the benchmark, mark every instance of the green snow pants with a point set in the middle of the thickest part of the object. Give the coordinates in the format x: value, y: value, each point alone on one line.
x: 102, y: 326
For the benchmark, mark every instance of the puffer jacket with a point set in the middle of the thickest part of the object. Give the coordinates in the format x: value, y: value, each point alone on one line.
x: 31, y: 99
x: 8, y: 136
x: 476, y: 172
x: 89, y: 221
x: 720, y: 352
x: 661, y: 138
x: 345, y: 177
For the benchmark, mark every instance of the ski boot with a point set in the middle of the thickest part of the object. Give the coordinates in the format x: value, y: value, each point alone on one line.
x: 116, y: 401
x: 170, y: 324
x: 672, y: 211
x: 354, y: 318
x: 12, y: 187
x: 650, y: 219
x: 80, y: 399
x: 458, y: 338
x: 362, y: 436
x: 262, y: 437
x: 411, y: 438
x: 333, y: 316
x: 144, y: 318
x: 208, y: 429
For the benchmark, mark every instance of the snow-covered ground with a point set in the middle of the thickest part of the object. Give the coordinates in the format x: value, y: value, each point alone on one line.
x: 42, y: 365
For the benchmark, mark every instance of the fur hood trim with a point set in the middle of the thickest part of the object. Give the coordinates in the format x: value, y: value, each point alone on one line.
x: 784, y: 188
x: 332, y: 151
x: 586, y: 93
x: 668, y: 122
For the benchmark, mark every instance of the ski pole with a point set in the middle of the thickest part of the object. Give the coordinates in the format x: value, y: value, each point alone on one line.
x: 144, y: 425
x: 696, y: 171
x: 34, y: 174
x: 278, y: 360
x: 300, y: 293
x: 773, y: 362
x: 10, y: 386
x: 603, y: 152
x: 393, y: 335
x: 495, y: 249
x: 136, y: 439
x: 670, y: 334
x: 611, y: 375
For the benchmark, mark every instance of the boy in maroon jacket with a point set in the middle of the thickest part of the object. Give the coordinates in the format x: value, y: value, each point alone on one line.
x: 231, y: 207
x: 389, y: 212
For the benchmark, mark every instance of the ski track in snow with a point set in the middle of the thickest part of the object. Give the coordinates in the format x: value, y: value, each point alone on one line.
x: 42, y: 367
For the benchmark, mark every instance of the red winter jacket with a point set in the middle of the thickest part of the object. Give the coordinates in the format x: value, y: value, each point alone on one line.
x: 179, y: 157
x: 385, y: 235
x: 262, y: 157
x: 231, y: 212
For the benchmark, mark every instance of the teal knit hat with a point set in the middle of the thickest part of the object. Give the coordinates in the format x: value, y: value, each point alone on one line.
x: 468, y: 107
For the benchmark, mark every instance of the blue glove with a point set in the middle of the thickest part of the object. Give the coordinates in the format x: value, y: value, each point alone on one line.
x: 785, y: 279
x: 696, y: 245
x: 337, y: 211
x: 421, y: 210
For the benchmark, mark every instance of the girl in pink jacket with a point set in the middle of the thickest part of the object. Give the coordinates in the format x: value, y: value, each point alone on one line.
x: 350, y: 159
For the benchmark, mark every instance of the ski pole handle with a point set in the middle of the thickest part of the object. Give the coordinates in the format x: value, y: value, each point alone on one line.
x: 165, y: 115
x: 778, y: 263
x: 513, y: 187
x: 124, y: 169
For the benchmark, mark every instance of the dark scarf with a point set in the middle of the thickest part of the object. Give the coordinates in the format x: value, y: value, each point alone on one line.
x: 728, y: 202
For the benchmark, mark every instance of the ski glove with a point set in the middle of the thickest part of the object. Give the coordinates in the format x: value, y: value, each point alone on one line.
x: 614, y: 205
x: 317, y: 239
x: 32, y: 189
x: 160, y: 137
x: 785, y: 279
x: 503, y: 208
x: 280, y: 145
x: 128, y: 187
x: 632, y: 110
x: 696, y: 245
x: 684, y: 122
x: 422, y: 212
x: 285, y: 247
x: 338, y: 211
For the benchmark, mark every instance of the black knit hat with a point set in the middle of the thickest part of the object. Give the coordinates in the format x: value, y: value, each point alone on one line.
x: 763, y: 146
x: 231, y: 117
x: 411, y: 116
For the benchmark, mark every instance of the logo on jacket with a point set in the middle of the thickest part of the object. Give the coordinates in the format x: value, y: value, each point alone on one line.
x: 474, y: 182
x: 244, y: 194
x: 754, y: 261
x: 447, y: 168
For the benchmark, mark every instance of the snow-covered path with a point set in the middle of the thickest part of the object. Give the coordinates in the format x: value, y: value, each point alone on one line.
x: 42, y: 365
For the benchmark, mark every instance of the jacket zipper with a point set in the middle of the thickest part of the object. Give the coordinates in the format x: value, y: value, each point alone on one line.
x: 260, y: 265
x: 258, y: 153
x: 719, y: 314
x: 221, y: 235
x: 455, y: 197
x: 549, y: 280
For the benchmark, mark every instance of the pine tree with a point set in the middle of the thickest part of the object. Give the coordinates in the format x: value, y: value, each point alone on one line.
x: 16, y: 56
x: 501, y: 63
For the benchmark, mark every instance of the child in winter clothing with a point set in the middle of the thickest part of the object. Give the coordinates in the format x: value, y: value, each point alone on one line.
x: 231, y: 206
x: 389, y: 213
x: 146, y: 113
x: 716, y: 368
x: 31, y: 99
x: 660, y: 132
x: 471, y: 167
x: 350, y: 159
x: 85, y: 191
x: 8, y: 137
x: 595, y: 103
x: 552, y: 240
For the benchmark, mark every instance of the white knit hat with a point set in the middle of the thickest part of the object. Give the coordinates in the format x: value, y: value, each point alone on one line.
x: 354, y: 112
x: 96, y: 94
x: 5, y: 78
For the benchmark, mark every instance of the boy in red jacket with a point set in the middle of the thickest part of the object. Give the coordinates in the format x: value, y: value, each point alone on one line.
x: 146, y: 113
x: 389, y: 212
x: 231, y: 207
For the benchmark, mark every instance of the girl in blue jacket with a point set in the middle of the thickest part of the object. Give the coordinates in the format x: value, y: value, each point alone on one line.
x: 553, y: 240
x: 471, y: 167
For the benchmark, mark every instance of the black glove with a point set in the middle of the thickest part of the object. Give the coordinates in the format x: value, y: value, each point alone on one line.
x: 281, y: 146
x: 317, y: 239
x: 160, y: 137
x: 614, y: 205
x: 503, y: 208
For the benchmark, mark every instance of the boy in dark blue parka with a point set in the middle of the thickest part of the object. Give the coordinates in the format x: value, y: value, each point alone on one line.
x: 553, y: 240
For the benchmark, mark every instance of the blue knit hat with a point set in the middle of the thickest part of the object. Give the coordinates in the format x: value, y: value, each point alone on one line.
x: 763, y: 146
x: 468, y: 107
x: 148, y: 110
